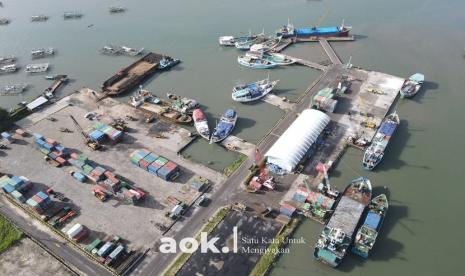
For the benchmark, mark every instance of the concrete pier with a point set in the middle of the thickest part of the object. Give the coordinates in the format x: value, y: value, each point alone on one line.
x: 237, y: 144
x: 330, y: 52
x: 277, y: 101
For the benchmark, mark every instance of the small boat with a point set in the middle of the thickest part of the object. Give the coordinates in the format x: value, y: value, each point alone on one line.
x: 411, y: 86
x: 110, y: 50
x: 253, y: 91
x: 39, y: 18
x: 116, y: 9
x: 167, y: 62
x: 201, y: 123
x: 37, y: 68
x: 131, y: 51
x: 224, y: 127
x: 72, y: 15
x: 7, y: 59
x: 13, y: 89
x: 255, y: 63
x: 229, y: 40
x: 375, y: 152
x: 4, y: 21
x: 51, y: 77
x: 42, y: 52
x: 368, y: 232
x: 140, y: 97
x: 245, y: 44
x: 290, y: 31
x: 276, y: 58
x: 338, y: 234
x: 181, y: 104
x: 10, y: 68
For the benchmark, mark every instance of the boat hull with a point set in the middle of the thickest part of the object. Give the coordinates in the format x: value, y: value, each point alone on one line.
x: 217, y: 139
x: 256, y: 65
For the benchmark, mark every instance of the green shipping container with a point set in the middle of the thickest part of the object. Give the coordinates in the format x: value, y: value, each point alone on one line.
x: 44, y: 151
x: 161, y: 161
x: 87, y: 169
x: 93, y: 245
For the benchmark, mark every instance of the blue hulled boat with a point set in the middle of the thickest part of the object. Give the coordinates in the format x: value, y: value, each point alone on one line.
x: 224, y: 127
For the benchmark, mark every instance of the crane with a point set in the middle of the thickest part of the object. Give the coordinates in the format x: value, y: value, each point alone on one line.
x: 93, y: 145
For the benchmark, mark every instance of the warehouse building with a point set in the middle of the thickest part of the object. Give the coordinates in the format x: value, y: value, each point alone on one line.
x: 296, y: 141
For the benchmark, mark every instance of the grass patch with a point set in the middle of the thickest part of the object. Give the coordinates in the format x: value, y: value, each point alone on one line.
x: 269, y: 257
x: 234, y: 165
x: 9, y: 234
x: 182, y: 258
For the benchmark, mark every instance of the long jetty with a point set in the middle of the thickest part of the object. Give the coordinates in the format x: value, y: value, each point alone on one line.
x: 59, y: 80
x: 330, y: 52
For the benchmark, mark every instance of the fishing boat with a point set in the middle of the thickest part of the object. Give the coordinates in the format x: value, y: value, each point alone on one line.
x: 39, y: 18
x: 278, y: 59
x: 110, y: 50
x: 255, y: 63
x: 182, y: 104
x: 290, y: 31
x: 167, y: 62
x: 42, y: 52
x: 7, y: 59
x: 4, y: 21
x: 116, y: 9
x: 140, y: 97
x: 411, y: 86
x: 10, y: 68
x: 245, y: 44
x: 13, y: 89
x: 72, y: 15
x: 338, y: 234
x: 37, y: 68
x: 368, y: 232
x: 224, y: 127
x: 132, y: 51
x: 375, y: 152
x: 229, y: 40
x: 201, y: 123
x: 253, y: 91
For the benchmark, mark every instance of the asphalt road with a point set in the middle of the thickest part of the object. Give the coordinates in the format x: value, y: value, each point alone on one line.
x: 231, y: 188
x: 58, y: 247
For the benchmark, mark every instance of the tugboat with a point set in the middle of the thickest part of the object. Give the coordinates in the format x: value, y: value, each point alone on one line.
x: 224, y: 127
x: 253, y: 91
x: 338, y: 233
x: 167, y: 62
x: 42, y: 52
x: 201, y: 123
x: 8, y: 68
x: 37, y: 68
x: 290, y: 31
x: 255, y: 63
x: 368, y: 232
x: 375, y: 152
x: 7, y: 59
x: 181, y: 104
x: 412, y: 85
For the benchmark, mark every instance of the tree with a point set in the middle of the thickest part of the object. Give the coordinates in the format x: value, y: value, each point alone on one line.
x: 5, y: 119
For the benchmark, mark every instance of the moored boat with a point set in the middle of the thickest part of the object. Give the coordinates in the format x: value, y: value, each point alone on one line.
x: 131, y: 51
x: 42, y: 52
x: 253, y: 91
x: 201, y: 123
x: 39, y: 18
x: 72, y: 15
x: 279, y: 59
x: 255, y: 63
x: 245, y: 44
x: 13, y: 89
x: 368, y: 232
x: 116, y: 9
x: 10, y: 68
x: 167, y: 62
x: 229, y: 40
x: 224, y: 127
x: 7, y: 59
x: 37, y: 68
x: 338, y: 233
x: 4, y: 21
x: 182, y: 104
x: 290, y: 31
x: 411, y: 86
x: 375, y: 152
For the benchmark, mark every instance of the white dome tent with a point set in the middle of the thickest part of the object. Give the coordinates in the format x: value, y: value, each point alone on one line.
x: 294, y: 143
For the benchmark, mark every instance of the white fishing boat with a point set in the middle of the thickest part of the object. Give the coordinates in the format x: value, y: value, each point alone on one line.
x: 245, y: 44
x: 37, y: 68
x: 13, y: 89
x: 255, y: 63
x: 7, y: 59
x: 253, y: 91
x: 72, y: 15
x: 201, y: 123
x: 140, y: 97
x: 131, y: 51
x: 116, y: 9
x: 42, y: 52
x: 39, y: 18
x: 110, y: 50
x: 10, y: 68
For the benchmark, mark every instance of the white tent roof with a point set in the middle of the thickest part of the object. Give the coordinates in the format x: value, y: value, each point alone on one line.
x: 287, y: 152
x: 36, y: 103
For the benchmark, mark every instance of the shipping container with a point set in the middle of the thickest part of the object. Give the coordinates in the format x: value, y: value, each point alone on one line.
x: 161, y: 160
x: 87, y: 168
x: 18, y: 196
x: 143, y: 164
x: 8, y: 188
x: 150, y: 158
x: 79, y: 176
x: 109, y: 174
x: 74, y: 230
x: 94, y: 244
x: 105, y: 249
x: 61, y: 160
x: 116, y: 253
x: 38, y: 136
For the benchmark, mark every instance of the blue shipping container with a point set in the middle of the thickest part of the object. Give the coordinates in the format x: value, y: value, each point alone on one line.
x: 79, y: 176
x: 8, y: 188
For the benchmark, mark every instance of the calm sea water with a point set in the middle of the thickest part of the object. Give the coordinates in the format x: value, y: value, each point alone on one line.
x: 423, y: 168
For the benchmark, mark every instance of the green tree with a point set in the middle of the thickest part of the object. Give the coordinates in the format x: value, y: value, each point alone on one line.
x: 5, y: 119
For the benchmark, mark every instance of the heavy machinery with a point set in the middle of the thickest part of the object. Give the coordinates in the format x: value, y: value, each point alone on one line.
x: 93, y: 145
x: 119, y: 124
x: 99, y: 194
x: 262, y: 179
x: 367, y: 123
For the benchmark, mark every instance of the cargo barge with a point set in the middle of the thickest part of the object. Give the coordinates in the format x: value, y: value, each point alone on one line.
x: 334, y: 31
x: 131, y: 76
x: 338, y: 233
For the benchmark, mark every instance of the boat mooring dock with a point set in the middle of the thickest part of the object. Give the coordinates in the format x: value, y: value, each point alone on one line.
x: 277, y: 101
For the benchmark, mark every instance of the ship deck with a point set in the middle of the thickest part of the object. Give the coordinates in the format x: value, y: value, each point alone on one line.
x: 346, y: 215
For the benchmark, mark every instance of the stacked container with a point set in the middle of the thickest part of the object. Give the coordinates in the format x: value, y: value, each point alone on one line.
x: 39, y: 202
x: 7, y: 137
x: 108, y: 131
x: 18, y: 183
x: 157, y: 165
x: 77, y: 232
x: 324, y: 100
x: 105, y: 249
x: 97, y: 136
x: 51, y: 148
x: 300, y: 195
x: 287, y: 209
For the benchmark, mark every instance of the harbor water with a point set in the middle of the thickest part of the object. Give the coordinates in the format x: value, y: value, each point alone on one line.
x: 423, y: 167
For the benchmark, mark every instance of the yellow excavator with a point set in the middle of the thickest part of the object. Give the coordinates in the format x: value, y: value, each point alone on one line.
x: 93, y: 145
x: 367, y: 123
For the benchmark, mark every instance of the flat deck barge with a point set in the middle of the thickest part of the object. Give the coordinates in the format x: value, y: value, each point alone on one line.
x: 131, y: 76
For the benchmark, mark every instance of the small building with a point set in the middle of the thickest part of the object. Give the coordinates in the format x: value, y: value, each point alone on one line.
x: 296, y: 141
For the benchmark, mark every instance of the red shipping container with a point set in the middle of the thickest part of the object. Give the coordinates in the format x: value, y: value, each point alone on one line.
x: 51, y: 141
x: 113, y: 180
x: 81, y: 235
x: 143, y: 164
x: 97, y: 173
x: 37, y: 199
x: 74, y: 155
x: 61, y: 160
x: 109, y: 174
x: 170, y: 165
x: 57, y: 153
